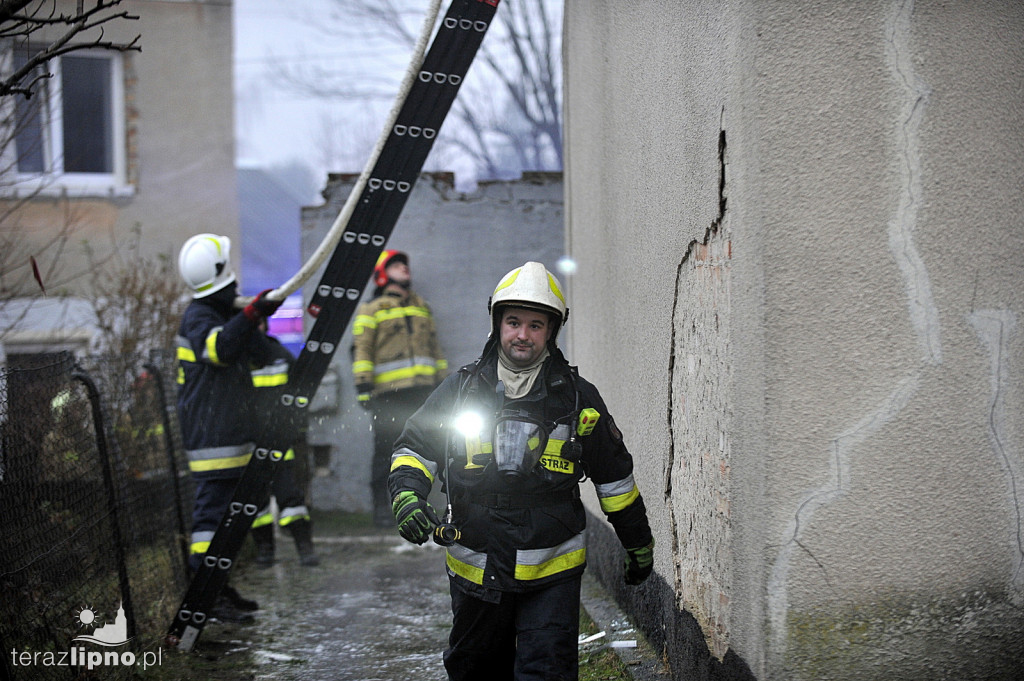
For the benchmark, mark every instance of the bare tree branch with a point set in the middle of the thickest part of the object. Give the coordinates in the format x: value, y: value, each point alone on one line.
x: 519, y: 129
x: 22, y: 20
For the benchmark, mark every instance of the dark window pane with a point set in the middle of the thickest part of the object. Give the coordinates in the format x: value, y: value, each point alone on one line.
x: 29, y: 121
x: 87, y: 120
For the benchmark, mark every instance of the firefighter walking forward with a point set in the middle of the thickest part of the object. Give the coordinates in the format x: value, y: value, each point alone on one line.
x: 510, y: 437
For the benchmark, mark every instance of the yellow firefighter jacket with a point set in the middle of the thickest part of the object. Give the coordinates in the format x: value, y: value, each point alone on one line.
x: 395, y: 346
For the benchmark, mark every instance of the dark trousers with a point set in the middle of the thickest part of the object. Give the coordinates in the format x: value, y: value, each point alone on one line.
x: 213, y: 495
x: 390, y: 412
x: 530, y: 636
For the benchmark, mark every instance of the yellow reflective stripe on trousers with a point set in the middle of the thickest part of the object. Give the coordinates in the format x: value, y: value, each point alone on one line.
x: 200, y: 542
x: 407, y: 457
x: 466, y: 563
x: 291, y: 514
x: 218, y: 458
x: 538, y: 563
x: 617, y: 495
x: 270, y: 376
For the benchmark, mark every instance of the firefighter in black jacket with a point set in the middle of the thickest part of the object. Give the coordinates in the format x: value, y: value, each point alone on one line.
x: 217, y: 346
x: 510, y: 437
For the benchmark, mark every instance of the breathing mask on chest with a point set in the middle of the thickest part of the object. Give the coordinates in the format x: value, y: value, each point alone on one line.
x: 519, y: 441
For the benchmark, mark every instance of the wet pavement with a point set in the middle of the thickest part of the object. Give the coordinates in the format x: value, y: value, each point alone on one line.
x: 376, y: 608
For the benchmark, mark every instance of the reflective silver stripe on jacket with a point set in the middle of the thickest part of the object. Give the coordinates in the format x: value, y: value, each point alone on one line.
x: 533, y: 557
x: 385, y: 367
x: 614, y: 489
x: 406, y: 457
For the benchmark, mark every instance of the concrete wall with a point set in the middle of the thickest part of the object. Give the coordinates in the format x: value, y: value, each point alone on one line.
x: 799, y: 229
x: 459, y: 247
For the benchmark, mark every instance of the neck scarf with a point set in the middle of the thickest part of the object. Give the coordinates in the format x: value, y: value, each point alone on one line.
x: 518, y: 380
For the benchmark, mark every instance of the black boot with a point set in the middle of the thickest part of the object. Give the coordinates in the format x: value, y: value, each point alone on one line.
x: 302, y: 533
x: 264, y: 538
x: 236, y: 599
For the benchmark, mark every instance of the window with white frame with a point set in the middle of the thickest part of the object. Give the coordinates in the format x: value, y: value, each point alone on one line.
x: 69, y: 136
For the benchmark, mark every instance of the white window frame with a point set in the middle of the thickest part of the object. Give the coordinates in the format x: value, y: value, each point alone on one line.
x: 53, y: 181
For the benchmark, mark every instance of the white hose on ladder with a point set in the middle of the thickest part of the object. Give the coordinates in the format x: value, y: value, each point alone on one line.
x: 330, y: 241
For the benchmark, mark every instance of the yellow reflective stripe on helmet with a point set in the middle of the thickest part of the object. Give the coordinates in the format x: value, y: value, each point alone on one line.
x: 509, y: 280
x: 407, y: 457
x: 553, y: 285
x: 361, y: 323
x: 466, y: 563
x: 538, y: 563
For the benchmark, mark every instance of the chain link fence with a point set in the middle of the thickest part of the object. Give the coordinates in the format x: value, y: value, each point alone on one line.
x: 94, y: 500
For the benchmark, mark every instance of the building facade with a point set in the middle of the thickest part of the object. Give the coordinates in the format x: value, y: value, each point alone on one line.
x: 117, y: 143
x: 799, y: 230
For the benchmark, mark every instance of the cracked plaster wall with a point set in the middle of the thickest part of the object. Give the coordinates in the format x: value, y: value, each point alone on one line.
x: 820, y: 378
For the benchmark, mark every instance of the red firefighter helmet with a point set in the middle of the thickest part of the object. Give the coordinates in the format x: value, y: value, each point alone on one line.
x: 380, y: 277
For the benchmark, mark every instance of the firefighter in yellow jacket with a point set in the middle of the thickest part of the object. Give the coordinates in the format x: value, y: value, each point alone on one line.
x: 397, y: 362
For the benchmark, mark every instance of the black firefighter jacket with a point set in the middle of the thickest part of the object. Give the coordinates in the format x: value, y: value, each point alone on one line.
x: 527, y: 533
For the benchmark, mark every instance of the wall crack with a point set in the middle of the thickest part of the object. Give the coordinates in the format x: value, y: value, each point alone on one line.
x: 687, y: 260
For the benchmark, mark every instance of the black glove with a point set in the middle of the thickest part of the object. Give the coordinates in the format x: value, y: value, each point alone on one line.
x: 415, y: 517
x: 261, y: 307
x: 639, y: 563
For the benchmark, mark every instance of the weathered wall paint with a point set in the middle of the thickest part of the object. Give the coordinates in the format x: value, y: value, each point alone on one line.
x: 799, y: 230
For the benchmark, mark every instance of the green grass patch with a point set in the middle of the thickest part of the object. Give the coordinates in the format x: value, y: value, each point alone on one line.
x: 600, y: 664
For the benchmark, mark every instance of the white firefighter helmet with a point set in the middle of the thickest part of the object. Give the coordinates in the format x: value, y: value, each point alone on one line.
x: 205, y: 264
x: 533, y: 287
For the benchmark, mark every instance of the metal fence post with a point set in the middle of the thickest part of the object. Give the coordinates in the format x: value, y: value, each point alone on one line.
x: 172, y: 462
x: 103, y: 448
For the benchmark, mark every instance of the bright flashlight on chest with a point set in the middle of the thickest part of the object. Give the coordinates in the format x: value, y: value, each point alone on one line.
x: 469, y: 424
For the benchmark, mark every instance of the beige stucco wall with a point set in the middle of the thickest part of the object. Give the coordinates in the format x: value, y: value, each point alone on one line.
x: 800, y: 230
x: 178, y: 141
